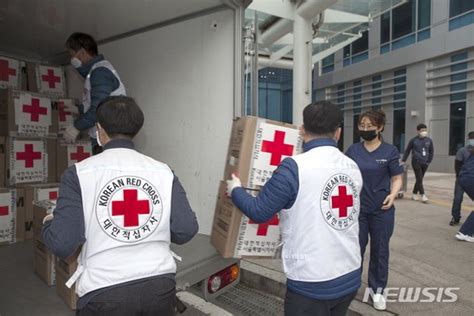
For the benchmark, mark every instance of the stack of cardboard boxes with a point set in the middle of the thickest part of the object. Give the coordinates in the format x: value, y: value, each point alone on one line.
x: 34, y: 111
x: 256, y: 148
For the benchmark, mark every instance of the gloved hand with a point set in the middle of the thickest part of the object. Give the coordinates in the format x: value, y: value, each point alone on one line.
x: 70, y: 134
x: 47, y: 218
x: 232, y: 184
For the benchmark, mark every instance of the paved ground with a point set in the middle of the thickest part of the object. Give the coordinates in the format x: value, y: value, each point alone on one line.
x: 424, y: 253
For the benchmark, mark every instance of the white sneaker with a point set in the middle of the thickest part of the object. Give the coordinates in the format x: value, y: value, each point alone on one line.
x: 379, y: 302
x: 461, y: 236
x: 415, y: 197
x: 424, y: 198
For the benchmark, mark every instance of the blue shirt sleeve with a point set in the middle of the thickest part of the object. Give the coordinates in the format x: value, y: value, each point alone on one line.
x: 66, y: 232
x: 394, y: 166
x: 103, y: 83
x: 278, y: 193
x: 183, y: 222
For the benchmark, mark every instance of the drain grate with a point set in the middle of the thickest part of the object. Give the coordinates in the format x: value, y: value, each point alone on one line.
x: 243, y: 300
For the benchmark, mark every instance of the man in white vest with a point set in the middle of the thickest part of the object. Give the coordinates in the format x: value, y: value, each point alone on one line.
x: 317, y: 196
x: 101, y: 80
x: 123, y: 209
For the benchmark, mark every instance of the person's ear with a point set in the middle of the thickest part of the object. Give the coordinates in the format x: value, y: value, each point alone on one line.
x: 338, y: 133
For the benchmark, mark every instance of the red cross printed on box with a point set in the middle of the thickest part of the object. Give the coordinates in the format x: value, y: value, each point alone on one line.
x: 342, y: 201
x: 6, y: 71
x: 262, y: 229
x: 29, y: 156
x: 53, y: 195
x: 277, y: 148
x: 3, y: 210
x: 35, y: 109
x: 130, y: 208
x: 80, y: 155
x: 51, y: 79
x: 62, y: 112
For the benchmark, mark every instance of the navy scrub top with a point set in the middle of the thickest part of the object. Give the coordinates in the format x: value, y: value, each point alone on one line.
x: 377, y: 168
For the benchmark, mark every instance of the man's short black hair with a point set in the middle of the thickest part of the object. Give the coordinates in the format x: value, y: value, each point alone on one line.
x: 120, y: 116
x: 322, y: 118
x: 421, y: 126
x: 77, y: 40
x: 471, y: 135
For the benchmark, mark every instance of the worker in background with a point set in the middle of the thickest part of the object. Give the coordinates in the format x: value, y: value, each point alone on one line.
x: 422, y: 150
x: 466, y: 181
x: 124, y: 209
x: 461, y: 156
x: 317, y: 195
x: 379, y: 163
x: 101, y: 81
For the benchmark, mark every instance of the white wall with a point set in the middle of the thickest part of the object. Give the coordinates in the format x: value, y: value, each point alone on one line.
x: 182, y: 78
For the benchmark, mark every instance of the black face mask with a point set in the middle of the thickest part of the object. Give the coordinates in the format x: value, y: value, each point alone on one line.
x: 368, y: 135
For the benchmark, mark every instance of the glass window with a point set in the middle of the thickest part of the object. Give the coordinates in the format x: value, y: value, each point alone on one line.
x: 362, y: 44
x: 340, y: 142
x: 459, y: 57
x: 399, y: 129
x: 458, y: 7
x: 328, y: 60
x: 424, y: 13
x: 459, y: 86
x: 403, y: 19
x: 340, y: 95
x: 275, y: 94
x: 385, y: 27
x: 458, y: 77
x: 347, y: 51
x: 400, y: 72
x: 356, y: 137
x: 457, y: 126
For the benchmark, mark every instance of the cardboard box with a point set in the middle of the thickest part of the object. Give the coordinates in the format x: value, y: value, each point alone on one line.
x: 65, y: 268
x: 27, y: 114
x: 46, y: 79
x: 40, y: 210
x: 7, y: 216
x: 3, y: 158
x: 256, y: 148
x: 30, y: 160
x: 67, y: 112
x: 10, y: 73
x: 44, y: 264
x: 26, y: 198
x: 69, y: 154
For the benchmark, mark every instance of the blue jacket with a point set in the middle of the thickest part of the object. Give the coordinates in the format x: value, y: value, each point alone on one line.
x: 279, y: 193
x: 466, y: 176
x: 103, y: 83
x: 422, y: 150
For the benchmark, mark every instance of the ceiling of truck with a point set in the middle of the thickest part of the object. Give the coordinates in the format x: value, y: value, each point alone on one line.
x: 37, y: 29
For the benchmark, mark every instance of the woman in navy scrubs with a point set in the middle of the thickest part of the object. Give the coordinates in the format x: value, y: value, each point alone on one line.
x: 381, y: 170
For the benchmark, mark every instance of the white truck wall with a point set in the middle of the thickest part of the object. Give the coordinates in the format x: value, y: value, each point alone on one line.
x: 182, y: 77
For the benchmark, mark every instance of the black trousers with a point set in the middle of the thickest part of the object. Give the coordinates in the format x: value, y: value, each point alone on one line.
x: 299, y: 305
x: 153, y: 297
x: 420, y: 171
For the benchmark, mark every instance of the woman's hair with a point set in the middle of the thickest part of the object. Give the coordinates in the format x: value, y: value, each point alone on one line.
x: 376, y: 118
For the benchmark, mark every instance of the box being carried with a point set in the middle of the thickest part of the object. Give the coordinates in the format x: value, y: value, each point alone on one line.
x: 65, y: 268
x: 46, y: 79
x: 67, y: 112
x: 257, y: 147
x: 40, y: 210
x: 7, y: 216
x: 24, y: 113
x: 44, y: 264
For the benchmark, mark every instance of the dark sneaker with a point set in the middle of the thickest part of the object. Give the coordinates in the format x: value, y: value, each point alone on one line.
x: 454, y: 222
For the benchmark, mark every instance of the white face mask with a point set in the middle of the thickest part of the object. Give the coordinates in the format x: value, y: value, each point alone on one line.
x: 98, y: 138
x: 75, y: 62
x: 471, y: 142
x: 424, y: 134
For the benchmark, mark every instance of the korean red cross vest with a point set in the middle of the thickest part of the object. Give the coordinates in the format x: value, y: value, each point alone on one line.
x: 320, y: 232
x: 126, y: 198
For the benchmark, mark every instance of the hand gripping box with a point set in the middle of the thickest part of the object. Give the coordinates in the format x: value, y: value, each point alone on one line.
x: 257, y: 147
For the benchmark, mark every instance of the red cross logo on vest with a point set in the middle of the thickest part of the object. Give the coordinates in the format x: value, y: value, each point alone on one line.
x: 29, y: 156
x: 35, y: 110
x: 6, y: 71
x: 51, y: 79
x: 62, y: 112
x: 53, y: 195
x: 130, y: 208
x: 342, y: 201
x: 277, y: 148
x: 262, y: 229
x: 3, y: 210
x: 80, y: 155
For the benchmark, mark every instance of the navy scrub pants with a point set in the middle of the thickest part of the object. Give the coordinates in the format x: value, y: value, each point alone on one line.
x: 378, y: 227
x: 468, y: 227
